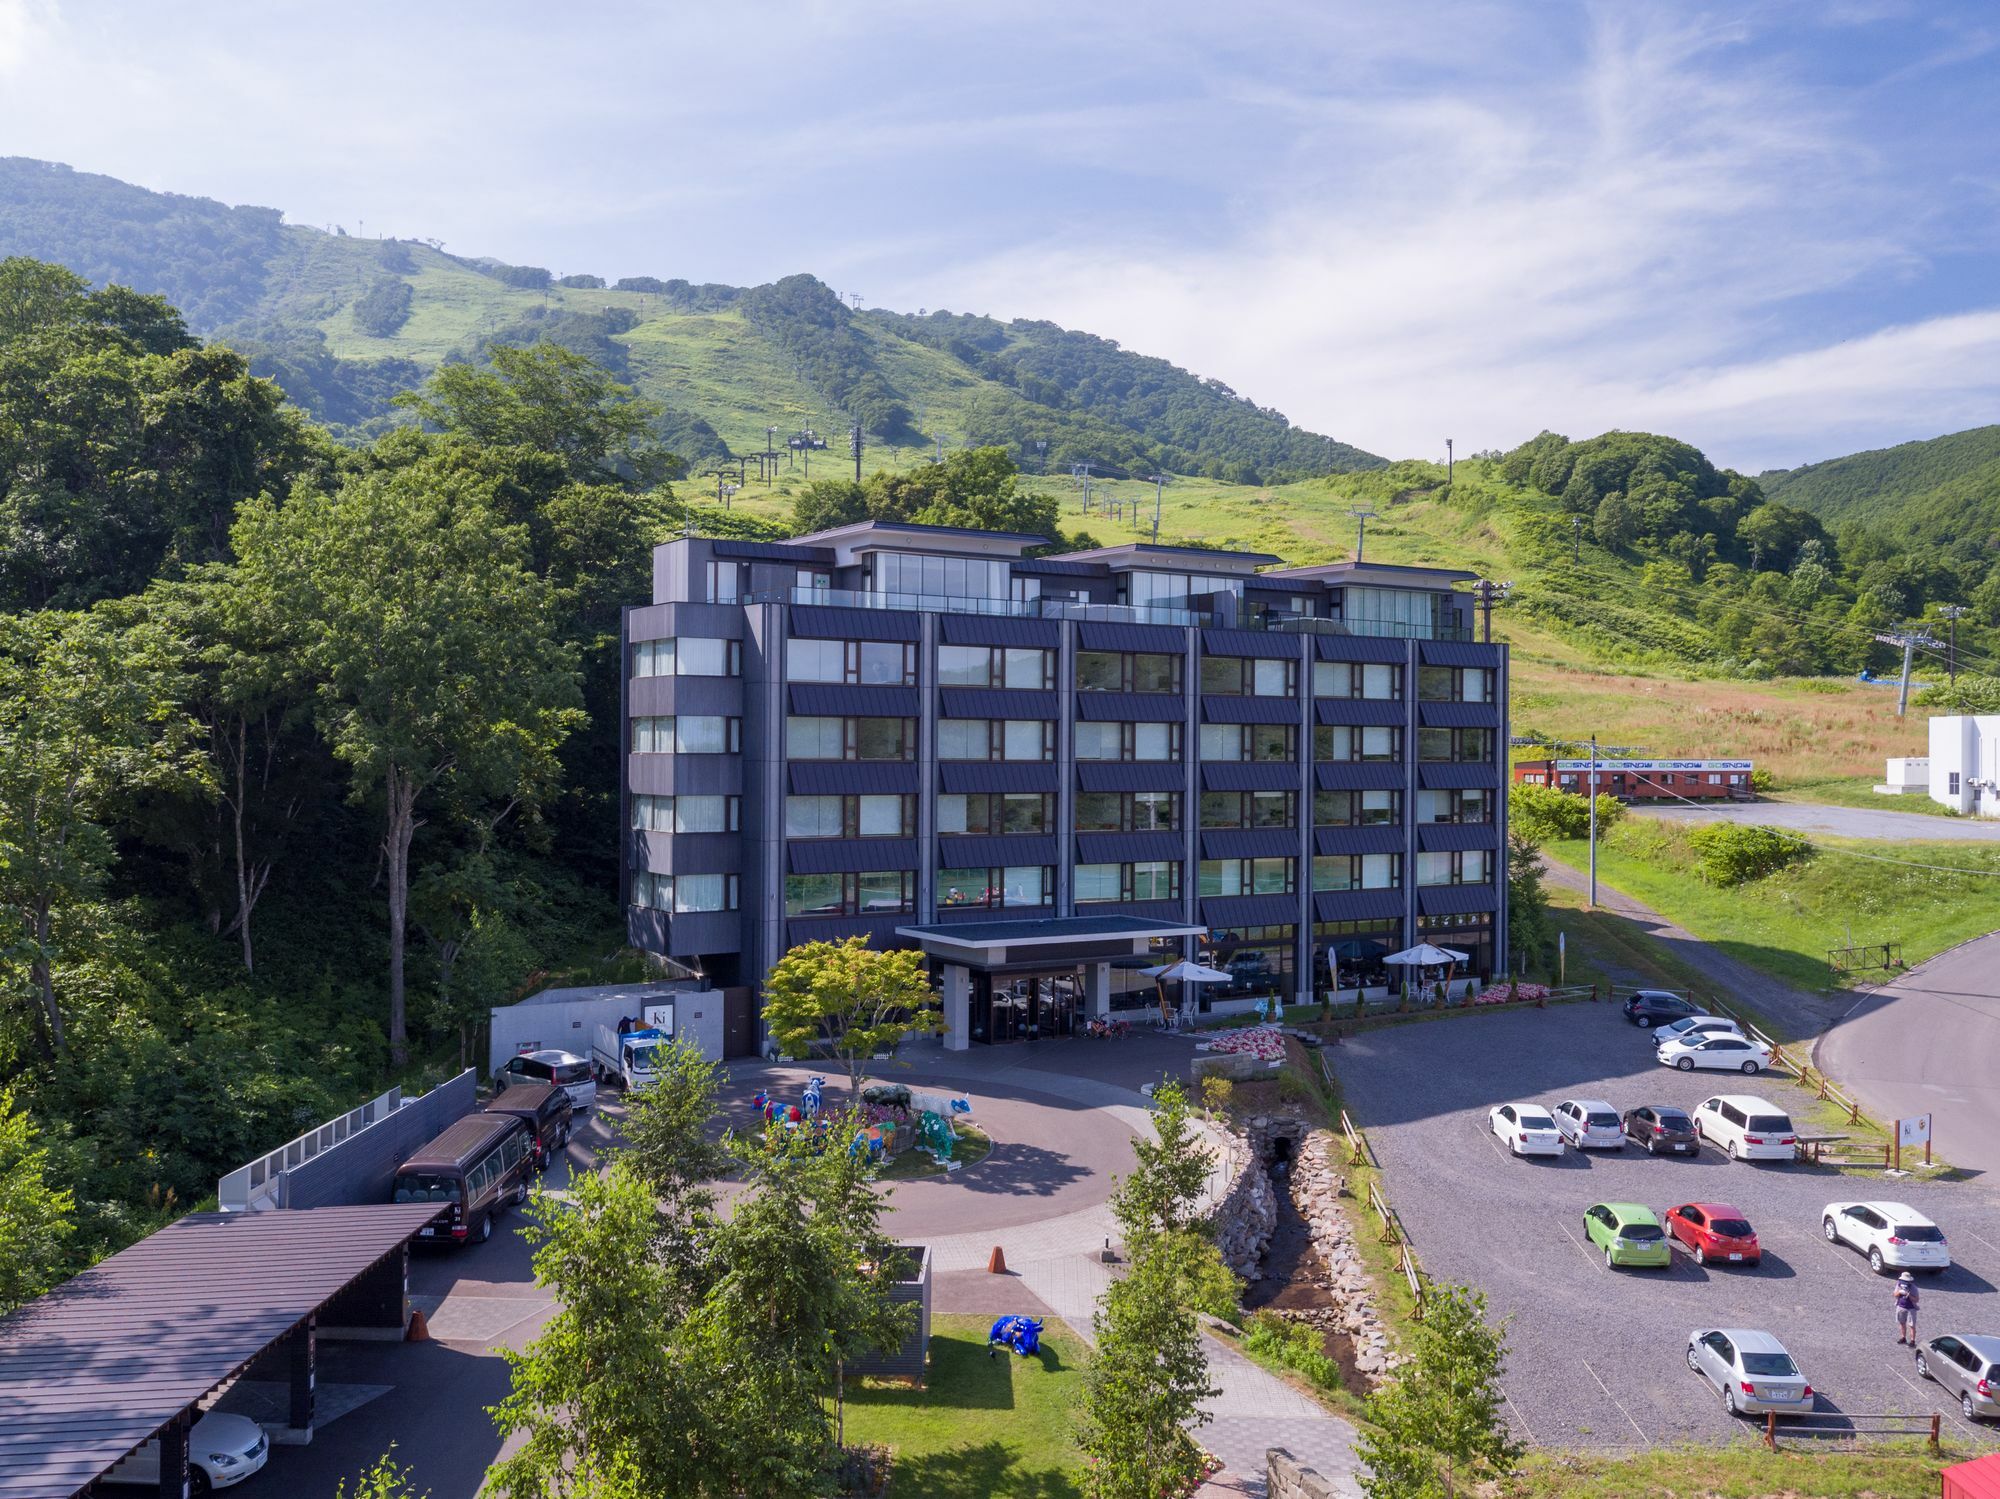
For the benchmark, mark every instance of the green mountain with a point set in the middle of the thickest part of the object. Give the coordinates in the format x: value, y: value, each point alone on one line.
x: 1942, y: 491
x: 345, y: 323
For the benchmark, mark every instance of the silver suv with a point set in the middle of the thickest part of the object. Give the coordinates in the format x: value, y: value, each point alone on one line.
x: 1968, y: 1365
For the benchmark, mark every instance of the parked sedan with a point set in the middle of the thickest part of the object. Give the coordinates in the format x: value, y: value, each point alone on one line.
x: 1724, y: 1053
x: 1658, y: 1128
x: 1714, y: 1231
x: 1752, y: 1370
x: 1651, y: 1007
x: 1967, y: 1364
x: 1589, y: 1123
x: 223, y: 1450
x: 1696, y: 1025
x: 1526, y: 1129
x: 1894, y: 1235
x: 1628, y: 1234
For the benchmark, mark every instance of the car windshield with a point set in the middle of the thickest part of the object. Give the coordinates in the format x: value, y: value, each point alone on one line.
x: 642, y: 1058
x: 423, y: 1187
x: 1731, y: 1228
x: 1769, y: 1365
x: 1921, y: 1233
x: 1602, y: 1119
x: 573, y: 1072
x: 1777, y: 1122
x: 1639, y: 1232
x: 1537, y: 1121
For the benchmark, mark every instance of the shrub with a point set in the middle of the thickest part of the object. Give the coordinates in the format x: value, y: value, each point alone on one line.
x: 1728, y: 853
x: 1762, y: 781
x: 1294, y: 1346
x: 1215, y: 1091
x: 1210, y: 1286
x: 1543, y: 814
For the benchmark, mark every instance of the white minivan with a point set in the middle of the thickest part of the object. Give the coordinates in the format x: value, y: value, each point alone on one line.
x: 1747, y: 1128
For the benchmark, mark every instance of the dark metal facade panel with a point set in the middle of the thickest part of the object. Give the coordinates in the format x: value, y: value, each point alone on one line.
x: 979, y: 852
x: 1130, y: 848
x: 1051, y: 567
x: 693, y: 934
x: 1167, y: 912
x: 1453, y: 837
x: 1250, y: 910
x: 993, y: 629
x: 364, y: 1168
x: 880, y: 931
x: 851, y: 699
x: 1456, y: 900
x: 849, y: 855
x: 1375, y: 648
x: 1360, y: 711
x: 1267, y: 583
x: 1358, y: 905
x: 1458, y: 715
x: 1232, y: 775
x: 1457, y: 653
x: 1250, y: 843
x: 1457, y: 776
x: 687, y: 853
x: 998, y: 775
x: 774, y: 551
x: 1131, y: 707
x: 1131, y: 775
x: 1358, y: 775
x: 1226, y: 709
x: 835, y: 622
x: 997, y: 702
x: 1103, y: 635
x: 854, y: 777
x: 101, y: 1363
x: 684, y: 775
x: 987, y: 916
x: 1219, y: 642
x: 1385, y: 838
x: 646, y: 929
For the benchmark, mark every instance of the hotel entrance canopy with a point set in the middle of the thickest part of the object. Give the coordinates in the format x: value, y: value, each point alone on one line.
x: 989, y: 945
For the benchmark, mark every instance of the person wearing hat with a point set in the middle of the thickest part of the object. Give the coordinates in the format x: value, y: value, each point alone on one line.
x: 1906, y: 1309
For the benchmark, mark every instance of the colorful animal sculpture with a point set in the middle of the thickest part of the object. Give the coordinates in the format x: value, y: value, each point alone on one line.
x: 935, y: 1132
x: 946, y: 1104
x: 872, y: 1139
x: 811, y: 1101
x: 887, y: 1095
x: 774, y: 1110
x: 1022, y: 1334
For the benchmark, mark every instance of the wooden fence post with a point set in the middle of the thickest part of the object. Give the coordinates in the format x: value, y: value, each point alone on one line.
x: 1934, y: 1433
x: 1771, y: 1430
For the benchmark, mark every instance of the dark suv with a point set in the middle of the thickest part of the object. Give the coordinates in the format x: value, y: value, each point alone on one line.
x: 1658, y: 1127
x: 1650, y: 1007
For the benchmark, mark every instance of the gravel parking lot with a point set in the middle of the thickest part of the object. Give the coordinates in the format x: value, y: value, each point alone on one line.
x: 1598, y: 1356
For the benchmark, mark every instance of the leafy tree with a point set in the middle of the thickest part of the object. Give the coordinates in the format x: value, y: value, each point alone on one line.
x: 1544, y: 814
x: 430, y: 646
x: 826, y: 503
x: 850, y: 999
x: 1437, y: 1430
x: 1164, y: 1188
x: 382, y: 310
x: 1529, y: 928
x: 1617, y: 524
x: 666, y: 1143
x: 35, y: 1216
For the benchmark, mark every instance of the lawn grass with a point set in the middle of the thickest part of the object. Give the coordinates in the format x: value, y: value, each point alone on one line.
x: 1879, y: 1470
x: 974, y: 1145
x: 988, y: 1426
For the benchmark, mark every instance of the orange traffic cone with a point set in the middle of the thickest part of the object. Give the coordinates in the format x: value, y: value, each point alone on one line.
x: 420, y: 1330
x: 996, y: 1262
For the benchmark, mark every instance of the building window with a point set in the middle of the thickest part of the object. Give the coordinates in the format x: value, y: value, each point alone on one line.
x: 1128, y: 741
x: 653, y: 658
x: 1951, y: 786
x: 1468, y: 932
x: 881, y: 892
x: 1263, y: 742
x: 1472, y: 866
x: 1459, y: 745
x: 1357, y: 809
x: 689, y: 734
x: 918, y: 575
x: 701, y: 657
x: 652, y: 892
x: 1258, y: 960
x: 812, y: 580
x: 1014, y: 885
x: 865, y: 662
x: 996, y: 739
x: 1376, y: 681
x: 1248, y: 876
x: 994, y: 812
x: 1140, y: 671
x: 1357, y: 871
x: 1174, y: 590
x: 1455, y: 806
x: 686, y: 894
x: 1127, y: 811
x: 1352, y: 742
x: 996, y: 666
x: 1152, y: 880
x: 850, y: 816
x: 1454, y: 684
x: 725, y: 582
x: 851, y: 738
x: 1249, y: 809
x: 1353, y: 951
x: 1239, y: 676
x: 1398, y: 612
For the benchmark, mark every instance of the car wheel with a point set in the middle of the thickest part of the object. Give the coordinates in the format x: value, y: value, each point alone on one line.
x: 198, y: 1483
x: 1749, y: 1069
x: 1645, y: 1022
x: 1923, y: 1367
x: 1652, y: 1147
x: 1875, y: 1260
x: 1732, y: 1150
x: 485, y: 1227
x: 1686, y: 1064
x: 1729, y: 1401
x: 1965, y: 1404
x: 1608, y: 1263
x: 1700, y: 1255
x: 1692, y: 1363
x: 1832, y: 1233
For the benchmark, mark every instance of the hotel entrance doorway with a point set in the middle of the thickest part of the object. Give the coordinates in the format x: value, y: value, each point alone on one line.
x: 1026, y: 1006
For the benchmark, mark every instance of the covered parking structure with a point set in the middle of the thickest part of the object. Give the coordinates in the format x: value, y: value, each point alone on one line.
x: 129, y: 1350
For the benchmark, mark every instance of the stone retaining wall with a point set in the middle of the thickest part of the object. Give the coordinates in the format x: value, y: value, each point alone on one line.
x: 1285, y: 1477
x: 1248, y: 1213
x: 1317, y: 1184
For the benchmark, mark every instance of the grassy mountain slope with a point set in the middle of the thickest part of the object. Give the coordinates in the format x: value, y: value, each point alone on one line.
x: 726, y: 362
x: 1945, y: 489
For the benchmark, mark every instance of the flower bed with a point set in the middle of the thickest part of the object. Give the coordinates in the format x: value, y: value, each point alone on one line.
x: 1265, y: 1042
x: 1500, y: 994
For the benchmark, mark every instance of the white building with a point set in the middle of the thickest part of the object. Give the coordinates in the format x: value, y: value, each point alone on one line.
x: 1908, y: 776
x: 1965, y: 763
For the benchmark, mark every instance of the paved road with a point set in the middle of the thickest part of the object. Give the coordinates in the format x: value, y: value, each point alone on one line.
x: 1838, y: 822
x: 1930, y: 1043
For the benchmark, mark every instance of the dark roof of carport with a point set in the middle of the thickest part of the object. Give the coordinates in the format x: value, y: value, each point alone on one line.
x: 103, y: 1362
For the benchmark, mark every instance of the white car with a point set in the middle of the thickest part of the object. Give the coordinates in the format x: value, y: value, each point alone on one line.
x: 1752, y: 1371
x: 1894, y: 1235
x: 1526, y: 1129
x: 223, y: 1449
x: 1696, y: 1025
x: 1718, y: 1053
x: 1590, y: 1123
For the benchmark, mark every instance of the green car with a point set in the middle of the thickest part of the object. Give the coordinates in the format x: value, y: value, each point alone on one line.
x: 1628, y: 1234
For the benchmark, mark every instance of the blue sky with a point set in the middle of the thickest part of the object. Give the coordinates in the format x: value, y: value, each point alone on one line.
x: 1772, y: 229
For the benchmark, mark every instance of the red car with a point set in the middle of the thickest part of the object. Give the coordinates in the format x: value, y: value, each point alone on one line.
x: 1714, y: 1231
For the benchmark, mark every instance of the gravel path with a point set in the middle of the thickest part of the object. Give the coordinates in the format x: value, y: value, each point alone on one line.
x: 1838, y: 822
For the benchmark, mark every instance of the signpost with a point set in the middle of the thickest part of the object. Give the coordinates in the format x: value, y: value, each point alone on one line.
x: 1913, y: 1132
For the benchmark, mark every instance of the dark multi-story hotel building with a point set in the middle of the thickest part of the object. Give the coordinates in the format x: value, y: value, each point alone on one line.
x: 1051, y: 772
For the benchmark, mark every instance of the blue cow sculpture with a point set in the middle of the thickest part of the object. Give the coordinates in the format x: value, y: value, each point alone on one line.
x: 811, y: 1100
x: 1022, y: 1334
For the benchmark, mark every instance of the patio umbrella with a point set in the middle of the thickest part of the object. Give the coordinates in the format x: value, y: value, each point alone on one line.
x: 1188, y: 973
x: 1423, y: 955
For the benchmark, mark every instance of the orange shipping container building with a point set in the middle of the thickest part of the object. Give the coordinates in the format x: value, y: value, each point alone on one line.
x: 1644, y: 780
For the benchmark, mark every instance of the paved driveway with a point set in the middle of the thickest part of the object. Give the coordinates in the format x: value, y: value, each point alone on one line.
x: 1598, y: 1356
x: 1838, y: 822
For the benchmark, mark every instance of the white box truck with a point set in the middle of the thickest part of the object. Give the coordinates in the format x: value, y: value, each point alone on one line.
x: 627, y: 1058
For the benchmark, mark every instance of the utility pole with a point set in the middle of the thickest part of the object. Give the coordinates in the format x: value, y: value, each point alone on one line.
x: 854, y: 442
x: 1362, y: 516
x: 1159, y: 483
x: 1488, y: 593
x: 1590, y: 900
x: 1576, y: 539
x: 1909, y: 640
x: 770, y: 453
x: 1447, y: 463
x: 1042, y: 454
x: 1951, y: 614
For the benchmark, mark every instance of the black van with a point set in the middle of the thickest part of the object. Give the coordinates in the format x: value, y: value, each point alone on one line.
x: 547, y: 1112
x: 474, y: 1169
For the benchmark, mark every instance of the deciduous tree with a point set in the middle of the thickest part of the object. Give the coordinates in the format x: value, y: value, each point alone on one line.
x: 1437, y: 1430
x: 851, y: 999
x: 35, y: 1216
